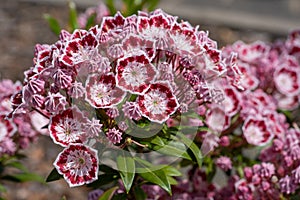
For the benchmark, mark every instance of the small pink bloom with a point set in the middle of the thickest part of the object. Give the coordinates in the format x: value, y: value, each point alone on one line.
x: 78, y: 164
x: 286, y: 102
x: 286, y: 185
x: 111, y: 24
x: 39, y: 122
x: 67, y: 127
x: 210, y: 142
x: 93, y: 128
x: 183, y: 40
x: 122, y: 126
x: 112, y: 112
x: 293, y: 43
x: 249, y: 81
x: 216, y: 119
x: 224, y: 141
x: 101, y: 91
x: 115, y: 51
x: 76, y: 90
x: 62, y: 78
x: 224, y: 163
x: 256, y: 131
x: 155, y: 27
x: 251, y: 52
x: 55, y: 102
x: 296, y: 175
x: 244, y: 191
x: 287, y: 77
x: 158, y: 102
x: 231, y: 101
x: 7, y: 128
x: 114, y: 135
x: 7, y: 146
x: 36, y: 86
x: 131, y: 110
x: 134, y: 43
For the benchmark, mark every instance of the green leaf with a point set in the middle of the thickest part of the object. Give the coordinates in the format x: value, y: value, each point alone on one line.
x: 126, y: 167
x: 17, y: 165
x: 157, y: 177
x: 158, y: 141
x: 111, y: 6
x: 173, y: 148
x: 103, y: 179
x: 2, y: 188
x: 106, y: 169
x: 23, y: 177
x: 172, y: 181
x: 63, y: 198
x: 53, y: 176
x: 53, y: 24
x: 121, y: 196
x: 192, y: 146
x: 172, y: 171
x: 152, y: 4
x: 108, y: 194
x: 139, y: 193
x: 90, y: 21
x: 72, y: 16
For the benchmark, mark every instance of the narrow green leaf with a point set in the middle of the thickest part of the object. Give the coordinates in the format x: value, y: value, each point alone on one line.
x: 53, y: 24
x: 106, y: 169
x: 63, y: 198
x: 126, y: 167
x: 158, y: 141
x: 108, y: 194
x: 104, y: 179
x: 2, y: 188
x: 139, y: 193
x: 192, y: 146
x: 172, y: 171
x: 90, y: 21
x: 172, y: 180
x: 152, y: 4
x: 24, y: 177
x: 53, y: 176
x: 17, y: 165
x: 121, y: 196
x: 157, y: 177
x: 111, y: 6
x: 73, y: 16
x: 173, y: 148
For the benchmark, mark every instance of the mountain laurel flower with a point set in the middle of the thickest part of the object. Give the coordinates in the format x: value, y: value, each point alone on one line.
x: 257, y: 132
x: 78, y: 164
x: 158, y: 102
x: 67, y: 127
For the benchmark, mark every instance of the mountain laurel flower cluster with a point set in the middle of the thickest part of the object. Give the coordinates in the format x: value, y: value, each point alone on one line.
x: 96, y: 85
x: 258, y: 147
x: 16, y: 133
x: 134, y: 99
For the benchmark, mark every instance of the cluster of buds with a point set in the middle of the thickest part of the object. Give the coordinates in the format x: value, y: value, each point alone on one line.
x: 19, y: 132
